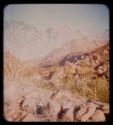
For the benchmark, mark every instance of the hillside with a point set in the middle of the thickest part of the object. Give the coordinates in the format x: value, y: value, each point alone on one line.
x: 83, y: 84
x: 70, y: 82
x: 16, y: 69
x: 74, y: 48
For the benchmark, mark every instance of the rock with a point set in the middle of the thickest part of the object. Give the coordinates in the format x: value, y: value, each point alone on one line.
x: 98, y: 116
x: 107, y: 74
x: 11, y: 89
x: 83, y: 109
x: 41, y: 110
x: 69, y: 116
x: 100, y: 72
x: 23, y: 115
x: 66, y: 104
x: 85, y: 112
x: 90, y: 111
x: 31, y: 117
x: 82, y: 57
x: 105, y: 109
x: 105, y: 52
x: 54, y: 94
x: 61, y: 113
x: 76, y: 109
x: 57, y: 77
x: 29, y: 105
x: 62, y: 95
x: 36, y: 97
x: 13, y: 115
x: 53, y: 109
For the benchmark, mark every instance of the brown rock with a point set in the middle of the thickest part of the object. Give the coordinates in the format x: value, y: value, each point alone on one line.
x: 13, y: 115
x: 83, y: 109
x: 100, y: 72
x: 31, y: 117
x: 53, y: 109
x: 105, y: 109
x: 69, y: 116
x: 57, y: 76
x: 98, y: 116
x: 90, y: 111
x: 23, y: 115
x: 29, y: 105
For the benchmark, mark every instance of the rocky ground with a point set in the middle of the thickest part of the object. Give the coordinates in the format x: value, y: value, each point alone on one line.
x: 28, y: 103
x: 77, y: 91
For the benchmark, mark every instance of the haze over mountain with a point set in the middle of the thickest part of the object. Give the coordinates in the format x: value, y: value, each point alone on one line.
x: 29, y: 42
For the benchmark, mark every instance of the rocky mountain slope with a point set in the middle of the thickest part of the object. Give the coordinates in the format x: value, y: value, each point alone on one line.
x: 74, y: 92
x: 70, y: 83
x: 38, y: 104
x: 74, y: 47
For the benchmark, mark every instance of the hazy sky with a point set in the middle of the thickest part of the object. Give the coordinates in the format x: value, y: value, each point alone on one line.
x: 87, y: 18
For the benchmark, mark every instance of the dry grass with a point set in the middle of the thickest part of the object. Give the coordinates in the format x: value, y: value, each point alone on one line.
x: 93, y: 89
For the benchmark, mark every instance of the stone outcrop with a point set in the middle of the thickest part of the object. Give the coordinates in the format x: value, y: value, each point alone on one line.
x: 98, y: 116
x: 38, y: 104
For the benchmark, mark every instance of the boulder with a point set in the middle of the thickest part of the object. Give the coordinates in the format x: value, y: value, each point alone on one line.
x: 90, y: 111
x: 41, y: 110
x: 62, y: 95
x: 23, y: 115
x: 105, y: 109
x: 31, y: 117
x: 66, y: 104
x: 53, y: 109
x: 69, y: 116
x: 29, y: 105
x: 98, y: 116
x: 100, y: 72
x: 36, y: 97
x: 57, y: 77
x: 80, y: 112
x: 13, y: 115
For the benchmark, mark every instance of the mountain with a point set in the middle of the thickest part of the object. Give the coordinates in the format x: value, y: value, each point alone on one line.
x: 21, y: 38
x: 11, y: 65
x: 30, y: 42
x: 29, y: 38
x: 18, y: 69
x: 74, y: 48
